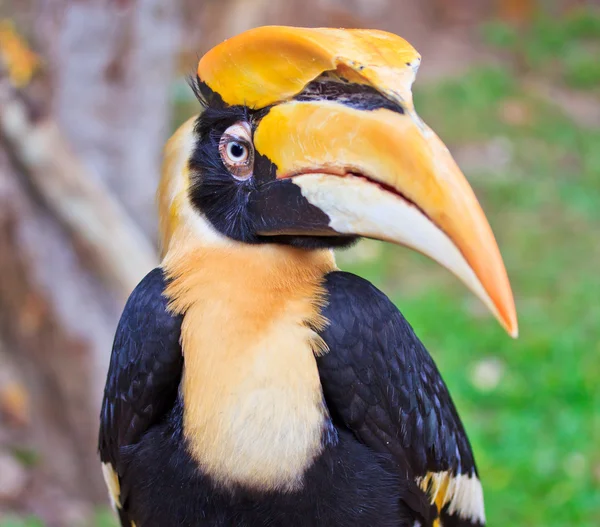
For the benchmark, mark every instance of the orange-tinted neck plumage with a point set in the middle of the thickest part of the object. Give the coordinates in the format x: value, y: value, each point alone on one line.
x: 253, y: 405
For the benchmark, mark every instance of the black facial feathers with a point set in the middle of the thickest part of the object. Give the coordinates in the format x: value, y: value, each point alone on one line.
x: 260, y: 209
x: 213, y: 190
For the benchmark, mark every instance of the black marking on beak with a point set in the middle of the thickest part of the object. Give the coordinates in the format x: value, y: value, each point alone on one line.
x: 357, y: 96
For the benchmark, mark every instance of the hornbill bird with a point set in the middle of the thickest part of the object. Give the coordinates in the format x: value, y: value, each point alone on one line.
x: 251, y: 382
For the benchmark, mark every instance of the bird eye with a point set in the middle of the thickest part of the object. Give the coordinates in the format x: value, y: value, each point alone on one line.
x: 236, y: 150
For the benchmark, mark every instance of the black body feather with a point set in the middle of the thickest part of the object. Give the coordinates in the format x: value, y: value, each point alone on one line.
x: 384, y: 385
x: 393, y: 417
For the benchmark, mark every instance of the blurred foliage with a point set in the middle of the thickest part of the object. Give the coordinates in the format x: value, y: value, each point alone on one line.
x: 103, y: 518
x: 20, y: 61
x: 26, y: 456
x: 567, y: 48
x: 21, y: 522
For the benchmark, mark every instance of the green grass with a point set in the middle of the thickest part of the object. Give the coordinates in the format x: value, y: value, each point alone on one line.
x: 102, y: 518
x: 21, y: 522
x: 565, y: 48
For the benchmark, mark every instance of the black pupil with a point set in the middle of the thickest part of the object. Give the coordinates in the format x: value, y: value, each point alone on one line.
x: 237, y: 150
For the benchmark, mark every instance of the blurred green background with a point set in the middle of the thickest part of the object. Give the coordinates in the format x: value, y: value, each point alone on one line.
x: 531, y: 406
x: 524, y: 124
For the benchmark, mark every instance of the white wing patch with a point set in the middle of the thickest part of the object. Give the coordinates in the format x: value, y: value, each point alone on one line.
x: 463, y: 493
x: 112, y: 483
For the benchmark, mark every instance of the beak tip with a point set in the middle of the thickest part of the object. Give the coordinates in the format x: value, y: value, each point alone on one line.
x: 504, y: 309
x: 511, y: 325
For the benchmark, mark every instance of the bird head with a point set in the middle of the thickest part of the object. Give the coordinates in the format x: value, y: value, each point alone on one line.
x: 309, y: 138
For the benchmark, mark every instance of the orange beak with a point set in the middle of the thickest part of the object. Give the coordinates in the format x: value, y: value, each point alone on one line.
x: 380, y: 173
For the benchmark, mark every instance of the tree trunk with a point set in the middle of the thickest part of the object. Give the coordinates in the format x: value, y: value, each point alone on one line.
x: 79, y: 162
x: 113, y: 62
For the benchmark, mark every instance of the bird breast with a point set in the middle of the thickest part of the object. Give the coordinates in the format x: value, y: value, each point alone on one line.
x: 253, y: 404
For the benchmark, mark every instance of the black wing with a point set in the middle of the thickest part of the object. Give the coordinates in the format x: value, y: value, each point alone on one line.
x: 380, y: 381
x: 143, y: 378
